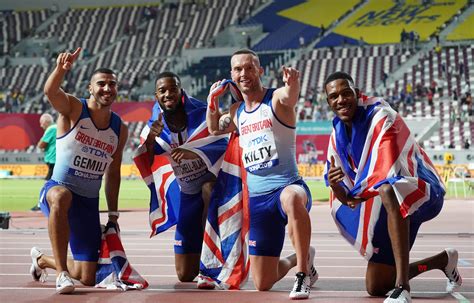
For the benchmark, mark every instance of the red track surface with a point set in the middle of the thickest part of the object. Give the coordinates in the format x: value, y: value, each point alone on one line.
x: 341, y: 269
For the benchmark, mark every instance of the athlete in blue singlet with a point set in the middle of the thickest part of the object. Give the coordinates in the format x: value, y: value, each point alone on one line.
x: 194, y: 179
x: 266, y: 124
x: 89, y: 146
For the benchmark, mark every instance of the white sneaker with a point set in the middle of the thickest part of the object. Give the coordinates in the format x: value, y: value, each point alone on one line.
x: 399, y: 295
x: 38, y: 273
x: 301, y: 288
x: 451, y: 271
x: 64, y: 283
x: 313, y: 273
x: 204, y: 282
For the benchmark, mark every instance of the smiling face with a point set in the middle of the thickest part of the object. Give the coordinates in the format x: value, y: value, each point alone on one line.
x: 342, y: 99
x: 168, y: 93
x: 246, y: 72
x: 103, y: 87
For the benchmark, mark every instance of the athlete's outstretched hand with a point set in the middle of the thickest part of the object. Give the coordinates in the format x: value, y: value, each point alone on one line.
x: 66, y: 60
x: 291, y: 75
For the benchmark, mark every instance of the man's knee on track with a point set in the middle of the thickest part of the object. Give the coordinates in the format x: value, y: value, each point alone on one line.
x: 186, y: 275
x: 88, y: 280
x: 262, y: 285
x: 377, y: 289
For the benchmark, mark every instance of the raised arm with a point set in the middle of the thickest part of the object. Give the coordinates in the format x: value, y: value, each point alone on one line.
x: 288, y: 94
x: 60, y: 101
x: 219, y: 123
x: 112, y: 175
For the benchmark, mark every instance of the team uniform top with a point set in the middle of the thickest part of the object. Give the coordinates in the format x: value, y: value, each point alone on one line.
x: 190, y: 174
x: 268, y: 148
x: 84, y: 153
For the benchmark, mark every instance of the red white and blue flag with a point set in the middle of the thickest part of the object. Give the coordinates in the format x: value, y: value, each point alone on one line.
x: 160, y: 178
x: 226, y: 85
x: 113, y: 269
x: 224, y: 256
x: 380, y: 151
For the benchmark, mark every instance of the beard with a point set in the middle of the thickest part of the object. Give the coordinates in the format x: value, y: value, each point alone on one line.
x: 170, y: 112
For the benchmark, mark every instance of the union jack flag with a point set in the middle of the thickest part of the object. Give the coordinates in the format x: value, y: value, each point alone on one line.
x: 159, y: 177
x: 381, y: 151
x: 113, y: 269
x: 224, y: 256
x: 219, y: 90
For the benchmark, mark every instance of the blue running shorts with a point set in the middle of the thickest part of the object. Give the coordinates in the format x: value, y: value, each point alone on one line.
x: 189, y: 230
x: 426, y: 212
x: 268, y: 221
x: 84, y: 224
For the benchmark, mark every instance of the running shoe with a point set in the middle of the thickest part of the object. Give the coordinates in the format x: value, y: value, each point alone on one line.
x: 301, y: 288
x: 204, y: 282
x: 399, y: 295
x: 451, y: 271
x: 313, y: 273
x: 64, y: 283
x: 38, y: 273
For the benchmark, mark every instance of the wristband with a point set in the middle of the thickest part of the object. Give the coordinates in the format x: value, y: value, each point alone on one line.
x: 114, y: 213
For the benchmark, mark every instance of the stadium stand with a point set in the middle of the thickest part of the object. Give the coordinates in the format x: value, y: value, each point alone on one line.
x: 318, y: 37
x: 18, y: 25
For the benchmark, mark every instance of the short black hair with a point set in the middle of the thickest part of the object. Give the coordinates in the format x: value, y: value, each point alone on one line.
x: 168, y: 74
x: 336, y: 76
x: 103, y: 70
x: 245, y: 51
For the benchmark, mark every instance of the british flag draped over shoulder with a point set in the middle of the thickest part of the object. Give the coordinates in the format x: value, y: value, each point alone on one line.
x: 160, y: 178
x: 382, y: 150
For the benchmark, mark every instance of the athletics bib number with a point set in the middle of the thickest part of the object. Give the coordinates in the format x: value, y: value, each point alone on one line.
x: 259, y: 151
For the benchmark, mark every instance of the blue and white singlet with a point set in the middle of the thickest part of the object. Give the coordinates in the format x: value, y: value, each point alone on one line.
x: 268, y: 148
x: 84, y: 153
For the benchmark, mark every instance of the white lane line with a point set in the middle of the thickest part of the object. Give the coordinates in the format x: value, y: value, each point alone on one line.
x: 131, y: 256
x: 460, y: 298
x: 151, y: 289
x: 289, y: 277
x: 172, y: 265
x: 318, y: 244
x: 342, y: 251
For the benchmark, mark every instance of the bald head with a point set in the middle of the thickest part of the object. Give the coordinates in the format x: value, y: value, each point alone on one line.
x: 46, y: 120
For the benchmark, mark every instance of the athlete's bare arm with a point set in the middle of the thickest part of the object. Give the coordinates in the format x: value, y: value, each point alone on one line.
x: 288, y: 94
x: 219, y: 123
x: 285, y: 98
x: 66, y: 105
x: 112, y: 174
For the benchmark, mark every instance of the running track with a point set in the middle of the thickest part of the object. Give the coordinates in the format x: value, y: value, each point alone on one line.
x: 341, y: 269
